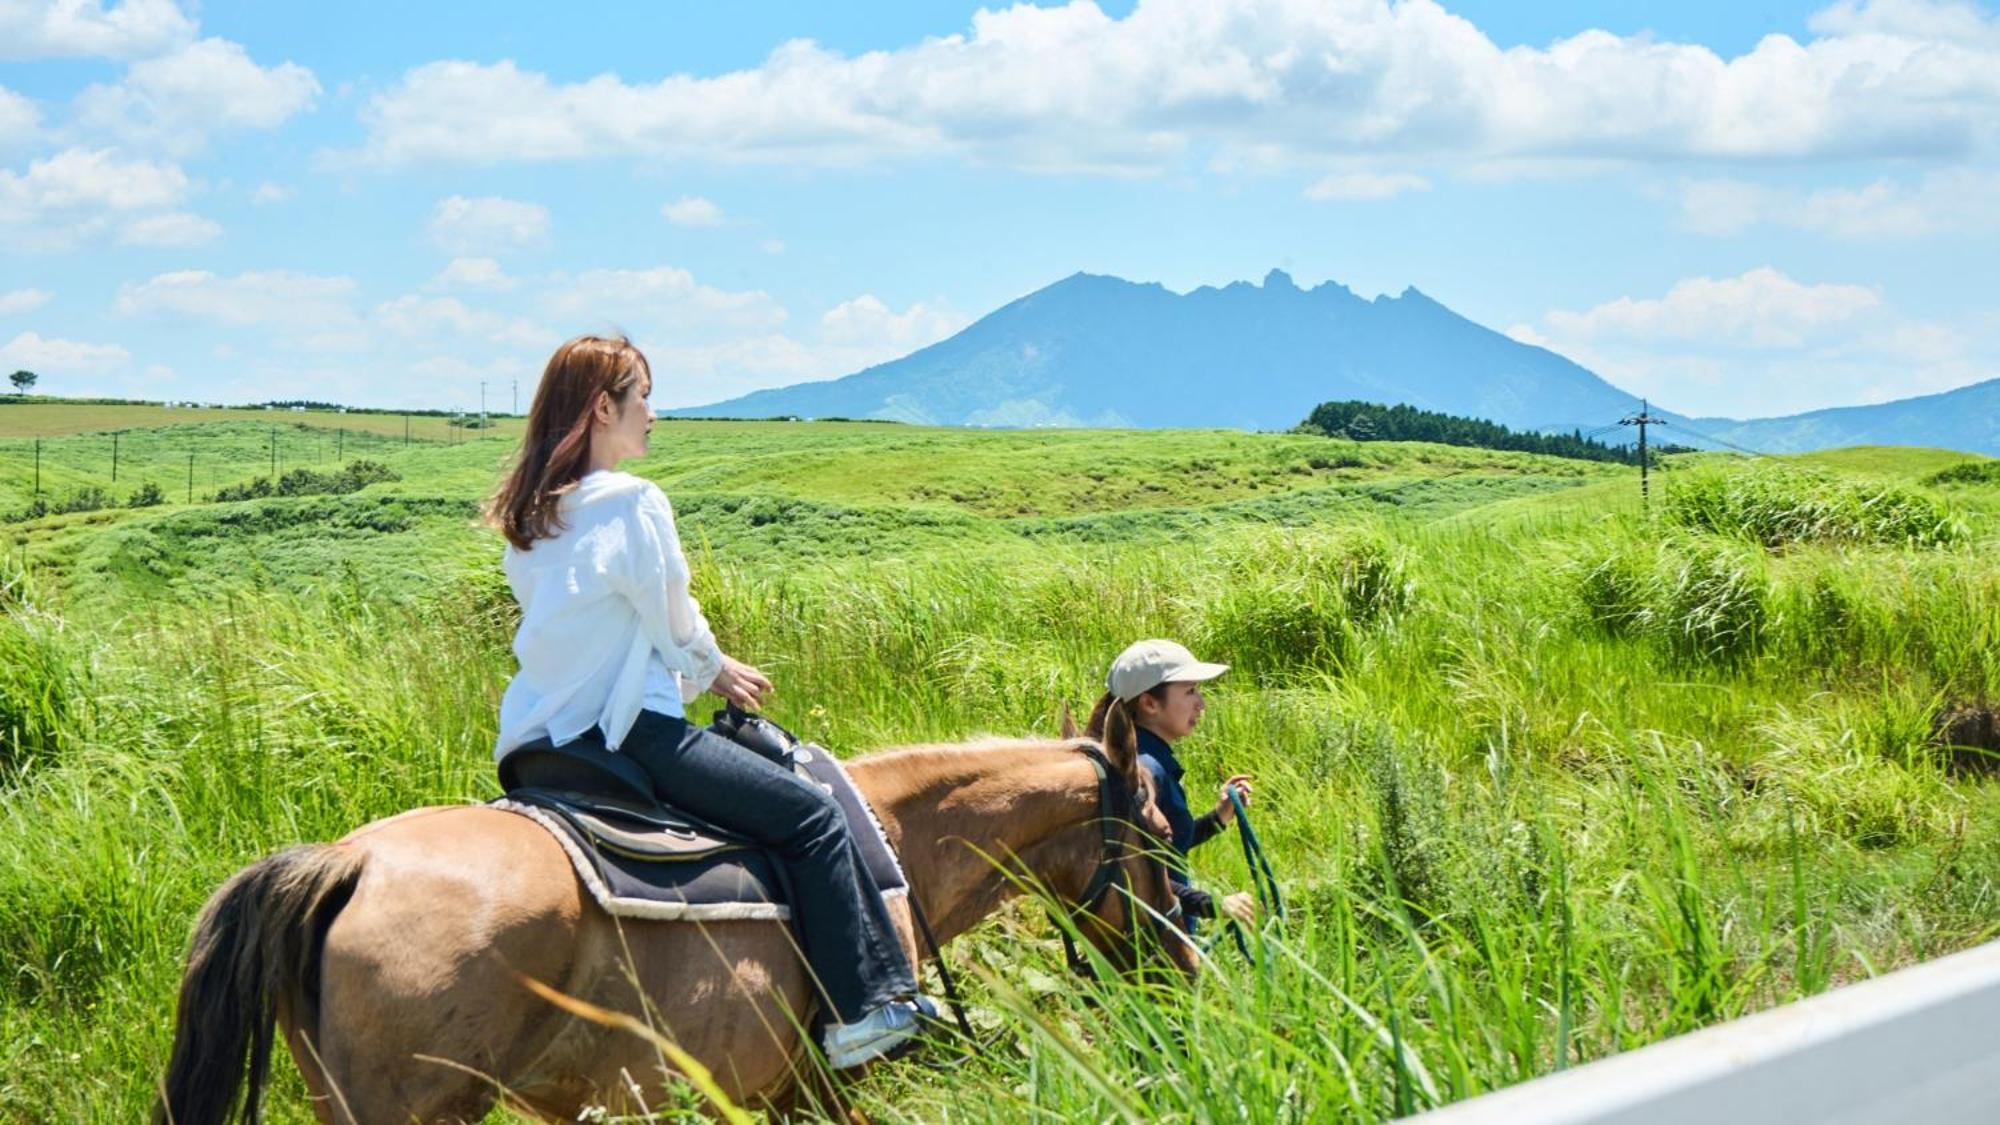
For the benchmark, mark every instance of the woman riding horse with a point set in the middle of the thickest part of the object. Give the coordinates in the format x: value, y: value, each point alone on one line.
x: 398, y: 961
x: 610, y: 647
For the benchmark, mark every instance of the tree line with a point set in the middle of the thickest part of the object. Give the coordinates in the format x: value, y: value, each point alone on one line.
x: 1373, y: 421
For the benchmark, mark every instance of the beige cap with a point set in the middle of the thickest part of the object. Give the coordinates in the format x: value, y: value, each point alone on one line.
x: 1148, y: 664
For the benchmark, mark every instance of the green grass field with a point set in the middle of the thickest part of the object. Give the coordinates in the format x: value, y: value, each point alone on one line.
x: 1546, y: 777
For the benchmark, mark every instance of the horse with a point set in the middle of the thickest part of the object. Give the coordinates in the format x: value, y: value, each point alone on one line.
x: 410, y: 964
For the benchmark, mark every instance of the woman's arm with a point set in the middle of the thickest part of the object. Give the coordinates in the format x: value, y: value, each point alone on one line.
x: 656, y: 580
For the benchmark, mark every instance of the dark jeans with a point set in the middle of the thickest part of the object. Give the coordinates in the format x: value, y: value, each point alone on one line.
x: 848, y: 939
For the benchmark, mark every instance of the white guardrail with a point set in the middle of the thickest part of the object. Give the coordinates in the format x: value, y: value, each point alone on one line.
x: 1920, y: 1045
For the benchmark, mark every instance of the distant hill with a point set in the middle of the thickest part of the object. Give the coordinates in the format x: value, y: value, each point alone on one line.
x: 1967, y: 418
x: 1101, y: 351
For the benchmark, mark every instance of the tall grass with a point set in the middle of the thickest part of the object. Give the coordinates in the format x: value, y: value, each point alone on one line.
x: 1536, y: 798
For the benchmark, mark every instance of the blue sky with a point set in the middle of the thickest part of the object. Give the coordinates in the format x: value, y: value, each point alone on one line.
x: 1739, y: 209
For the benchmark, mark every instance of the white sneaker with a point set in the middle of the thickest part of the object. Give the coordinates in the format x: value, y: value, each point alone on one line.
x: 878, y: 1033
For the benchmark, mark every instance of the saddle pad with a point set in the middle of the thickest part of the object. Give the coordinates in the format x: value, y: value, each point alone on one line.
x: 659, y: 864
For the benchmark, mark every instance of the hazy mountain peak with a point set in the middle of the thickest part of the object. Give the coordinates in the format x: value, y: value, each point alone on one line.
x: 1279, y: 279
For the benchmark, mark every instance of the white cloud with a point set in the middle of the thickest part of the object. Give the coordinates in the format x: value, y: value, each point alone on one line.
x: 33, y: 352
x: 41, y: 29
x: 665, y: 298
x: 1763, y: 344
x: 692, y: 211
x: 20, y: 118
x: 488, y: 225
x: 1366, y: 186
x: 772, y: 246
x: 472, y: 273
x: 1292, y: 81
x: 322, y: 306
x: 1762, y: 309
x: 419, y: 317
x: 269, y: 192
x: 1958, y: 201
x: 77, y: 193
x: 173, y: 229
x: 20, y: 301
x: 175, y: 102
x: 865, y: 322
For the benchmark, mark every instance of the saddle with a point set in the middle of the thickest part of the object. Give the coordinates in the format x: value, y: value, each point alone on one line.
x: 641, y: 858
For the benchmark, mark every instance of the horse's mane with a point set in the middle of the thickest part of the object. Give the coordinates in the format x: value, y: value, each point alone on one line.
x: 929, y: 762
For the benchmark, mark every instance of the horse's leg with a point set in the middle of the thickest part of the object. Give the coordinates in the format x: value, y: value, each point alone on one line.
x: 421, y: 1016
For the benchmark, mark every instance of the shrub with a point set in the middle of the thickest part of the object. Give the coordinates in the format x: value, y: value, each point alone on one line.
x: 307, y: 482
x: 1968, y: 472
x: 1700, y: 601
x: 146, y: 495
x: 1778, y: 506
x: 37, y: 689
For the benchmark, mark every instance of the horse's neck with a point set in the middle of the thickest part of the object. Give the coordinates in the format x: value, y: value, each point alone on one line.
x: 962, y: 815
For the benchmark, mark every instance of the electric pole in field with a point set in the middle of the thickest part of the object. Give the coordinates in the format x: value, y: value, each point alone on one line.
x: 1645, y: 417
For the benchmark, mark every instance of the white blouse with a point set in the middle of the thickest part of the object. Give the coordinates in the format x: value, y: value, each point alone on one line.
x: 607, y: 623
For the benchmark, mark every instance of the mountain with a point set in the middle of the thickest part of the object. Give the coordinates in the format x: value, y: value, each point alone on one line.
x: 1101, y: 351
x: 1967, y: 418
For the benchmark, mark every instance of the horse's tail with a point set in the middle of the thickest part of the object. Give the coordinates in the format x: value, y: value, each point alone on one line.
x: 256, y: 946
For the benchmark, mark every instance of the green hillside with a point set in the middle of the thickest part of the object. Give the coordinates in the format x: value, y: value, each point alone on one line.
x: 1546, y: 776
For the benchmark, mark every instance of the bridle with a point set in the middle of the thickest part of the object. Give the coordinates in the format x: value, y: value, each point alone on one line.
x: 1117, y: 820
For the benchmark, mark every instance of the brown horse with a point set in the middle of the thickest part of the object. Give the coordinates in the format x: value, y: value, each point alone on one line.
x: 395, y: 959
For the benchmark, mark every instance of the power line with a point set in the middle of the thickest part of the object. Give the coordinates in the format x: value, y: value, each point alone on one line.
x: 1684, y: 427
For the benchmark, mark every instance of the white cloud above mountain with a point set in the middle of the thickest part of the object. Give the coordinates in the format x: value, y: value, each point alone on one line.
x: 1072, y: 88
x: 1762, y: 344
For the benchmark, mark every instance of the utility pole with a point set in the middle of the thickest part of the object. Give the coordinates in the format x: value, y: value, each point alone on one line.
x: 406, y: 431
x: 339, y: 444
x: 274, y: 454
x: 114, y: 457
x: 38, y: 466
x: 190, y: 498
x: 1645, y: 417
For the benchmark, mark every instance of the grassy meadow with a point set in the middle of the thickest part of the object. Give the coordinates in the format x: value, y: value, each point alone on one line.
x: 1545, y: 776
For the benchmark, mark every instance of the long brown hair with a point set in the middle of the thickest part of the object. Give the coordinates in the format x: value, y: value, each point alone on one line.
x: 556, y: 448
x: 1101, y: 713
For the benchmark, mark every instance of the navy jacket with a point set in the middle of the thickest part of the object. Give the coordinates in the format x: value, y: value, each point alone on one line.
x: 1188, y: 829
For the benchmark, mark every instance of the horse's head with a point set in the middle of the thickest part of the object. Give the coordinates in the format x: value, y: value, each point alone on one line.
x: 1128, y: 909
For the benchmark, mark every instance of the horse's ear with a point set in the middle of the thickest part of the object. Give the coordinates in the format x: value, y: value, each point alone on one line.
x: 1069, y: 730
x: 1121, y: 740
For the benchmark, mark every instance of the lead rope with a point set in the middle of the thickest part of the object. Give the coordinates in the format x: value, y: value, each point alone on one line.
x: 944, y: 970
x: 1262, y: 879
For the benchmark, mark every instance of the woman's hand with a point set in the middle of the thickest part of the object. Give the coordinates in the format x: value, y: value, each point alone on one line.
x: 1224, y: 811
x: 1239, y: 906
x: 741, y: 684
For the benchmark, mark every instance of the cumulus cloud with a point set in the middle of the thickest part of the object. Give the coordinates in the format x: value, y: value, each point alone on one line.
x: 79, y: 193
x: 665, y: 298
x: 43, y: 29
x: 420, y: 317
x: 488, y: 225
x: 1763, y: 343
x: 269, y: 192
x: 173, y: 229
x: 1290, y: 81
x: 177, y: 101
x: 1762, y: 308
x: 34, y: 352
x: 254, y: 298
x: 18, y: 301
x: 692, y: 211
x: 472, y: 273
x: 20, y: 118
x: 1959, y: 201
x: 867, y: 323
x: 1365, y: 186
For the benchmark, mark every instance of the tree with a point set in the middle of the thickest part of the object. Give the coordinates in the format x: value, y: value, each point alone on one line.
x: 22, y: 381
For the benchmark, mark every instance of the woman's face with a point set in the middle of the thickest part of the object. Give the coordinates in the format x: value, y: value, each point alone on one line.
x: 1174, y: 717
x: 626, y: 434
